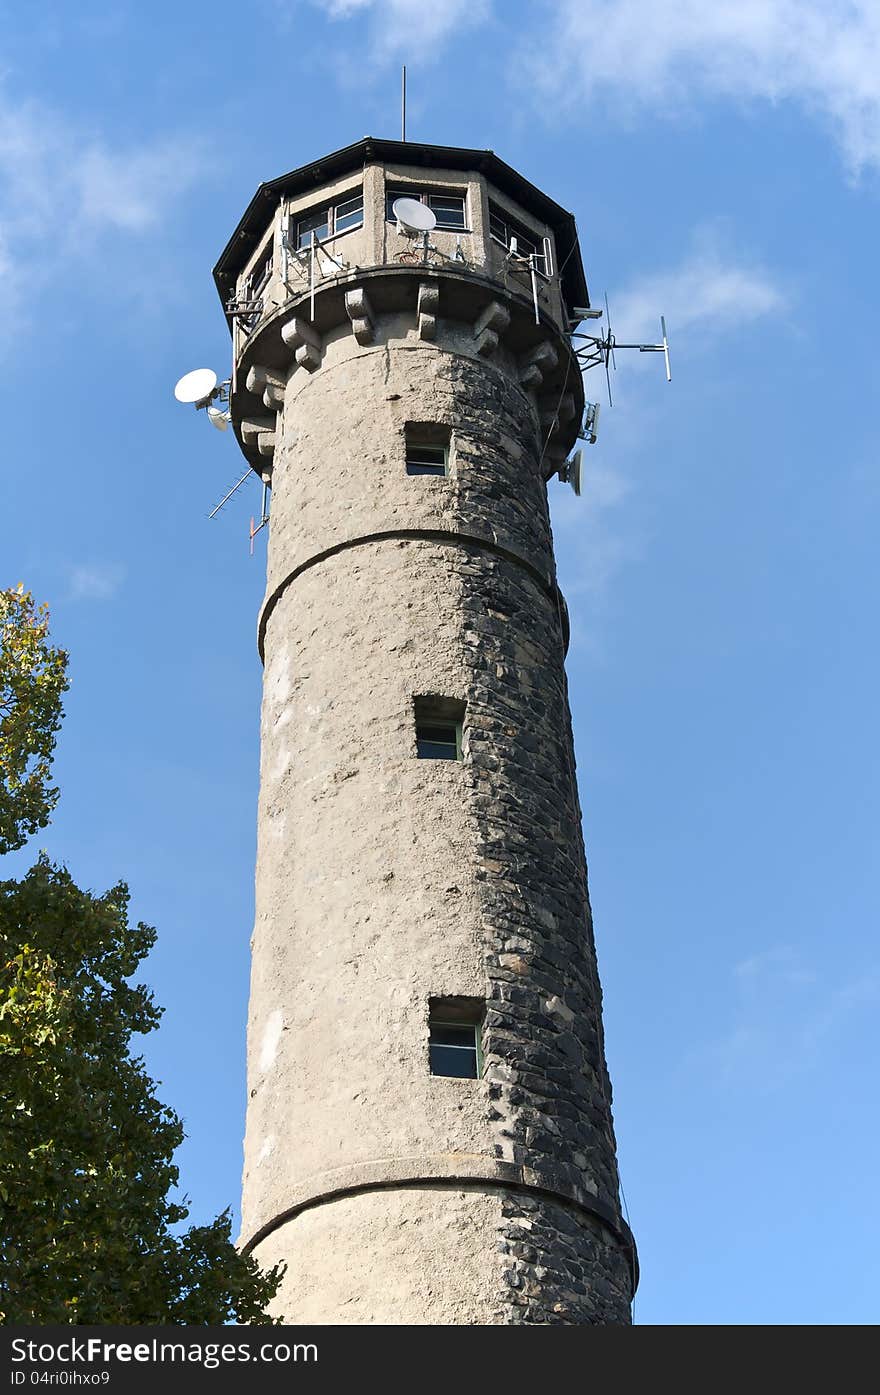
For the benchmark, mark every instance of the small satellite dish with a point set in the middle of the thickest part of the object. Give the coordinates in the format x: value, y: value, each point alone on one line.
x: 219, y: 418
x: 413, y: 216
x: 196, y: 386
x: 571, y: 471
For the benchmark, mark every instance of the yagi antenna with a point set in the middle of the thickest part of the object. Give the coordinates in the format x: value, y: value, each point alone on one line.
x: 595, y: 349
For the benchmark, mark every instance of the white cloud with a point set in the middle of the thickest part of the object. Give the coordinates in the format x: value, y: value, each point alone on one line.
x: 822, y: 54
x: 62, y: 183
x: 712, y: 290
x: 95, y: 581
x: 404, y: 27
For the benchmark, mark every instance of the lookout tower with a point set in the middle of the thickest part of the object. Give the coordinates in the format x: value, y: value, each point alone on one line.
x: 429, y: 1135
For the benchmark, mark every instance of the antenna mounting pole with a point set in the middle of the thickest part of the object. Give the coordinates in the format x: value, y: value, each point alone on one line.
x: 403, y: 103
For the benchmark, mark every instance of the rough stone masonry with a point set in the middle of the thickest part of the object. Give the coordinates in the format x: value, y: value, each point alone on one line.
x: 387, y: 883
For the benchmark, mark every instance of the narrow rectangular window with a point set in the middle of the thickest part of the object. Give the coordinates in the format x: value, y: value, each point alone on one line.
x: 454, y: 1037
x: 439, y: 722
x: 449, y: 210
x: 317, y: 223
x: 330, y: 222
x: 448, y: 207
x: 349, y: 214
x: 515, y: 238
x: 425, y: 460
x: 427, y: 448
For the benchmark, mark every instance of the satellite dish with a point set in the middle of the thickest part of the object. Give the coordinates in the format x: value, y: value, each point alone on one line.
x: 196, y: 386
x: 219, y: 418
x: 572, y: 470
x: 413, y: 216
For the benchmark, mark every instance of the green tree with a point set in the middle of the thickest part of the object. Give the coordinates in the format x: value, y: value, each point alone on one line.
x: 32, y: 681
x: 87, y: 1231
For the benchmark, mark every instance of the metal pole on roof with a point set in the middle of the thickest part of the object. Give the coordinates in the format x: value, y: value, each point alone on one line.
x: 403, y: 104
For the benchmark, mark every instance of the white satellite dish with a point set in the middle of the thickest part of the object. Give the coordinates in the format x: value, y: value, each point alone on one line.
x: 196, y: 386
x: 219, y: 418
x: 571, y: 472
x: 413, y: 216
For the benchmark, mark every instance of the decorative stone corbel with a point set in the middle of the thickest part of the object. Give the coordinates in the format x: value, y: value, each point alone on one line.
x: 563, y: 413
x: 489, y: 327
x: 265, y: 383
x: 428, y: 302
x: 306, y: 342
x: 254, y: 427
x: 536, y: 363
x: 360, y: 312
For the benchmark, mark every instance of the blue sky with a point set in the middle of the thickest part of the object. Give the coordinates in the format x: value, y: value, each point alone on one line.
x: 722, y: 162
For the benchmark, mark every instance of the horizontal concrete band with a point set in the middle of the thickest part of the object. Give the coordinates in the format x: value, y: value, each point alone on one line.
x: 435, y: 535
x: 450, y: 1170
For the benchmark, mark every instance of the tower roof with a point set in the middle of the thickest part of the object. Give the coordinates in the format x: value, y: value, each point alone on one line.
x: 329, y: 167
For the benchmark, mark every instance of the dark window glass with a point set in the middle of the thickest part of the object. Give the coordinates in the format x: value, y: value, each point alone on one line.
x: 317, y: 223
x: 349, y: 214
x: 453, y: 1050
x: 425, y: 460
x: 498, y: 228
x: 259, y: 276
x: 391, y: 195
x: 449, y: 210
x: 437, y: 742
x: 502, y: 229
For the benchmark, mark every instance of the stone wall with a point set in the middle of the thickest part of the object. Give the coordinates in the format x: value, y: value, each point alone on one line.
x: 384, y: 880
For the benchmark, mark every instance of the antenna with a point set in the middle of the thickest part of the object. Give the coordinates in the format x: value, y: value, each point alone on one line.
x: 403, y: 104
x: 248, y: 475
x: 600, y: 348
x: 571, y: 471
x: 413, y: 218
x: 590, y: 428
x: 198, y: 387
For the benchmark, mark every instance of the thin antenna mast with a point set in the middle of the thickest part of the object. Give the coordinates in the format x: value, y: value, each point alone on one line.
x: 403, y: 103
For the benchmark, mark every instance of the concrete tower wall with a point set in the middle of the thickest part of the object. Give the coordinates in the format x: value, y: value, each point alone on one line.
x: 385, y: 881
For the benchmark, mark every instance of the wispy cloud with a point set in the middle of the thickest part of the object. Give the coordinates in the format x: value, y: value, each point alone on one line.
x: 785, y: 1013
x: 715, y: 288
x: 401, y: 27
x: 822, y: 54
x: 62, y: 187
x: 90, y: 581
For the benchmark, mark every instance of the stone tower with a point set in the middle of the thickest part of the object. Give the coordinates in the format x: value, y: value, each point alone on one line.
x: 429, y: 1135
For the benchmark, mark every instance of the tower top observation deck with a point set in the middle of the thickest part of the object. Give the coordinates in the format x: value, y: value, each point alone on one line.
x: 320, y: 252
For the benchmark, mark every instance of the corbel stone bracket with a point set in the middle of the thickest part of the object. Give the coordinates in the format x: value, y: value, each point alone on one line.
x: 306, y: 342
x: 536, y: 363
x: 360, y: 312
x: 259, y: 432
x: 489, y: 327
x: 265, y: 383
x: 555, y: 420
x: 428, y: 302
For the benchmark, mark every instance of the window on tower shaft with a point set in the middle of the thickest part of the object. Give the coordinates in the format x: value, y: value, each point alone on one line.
x: 455, y: 1037
x: 427, y: 448
x: 439, y: 722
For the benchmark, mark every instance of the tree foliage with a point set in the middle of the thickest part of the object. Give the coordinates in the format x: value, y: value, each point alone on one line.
x: 87, y: 1232
x: 32, y: 681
